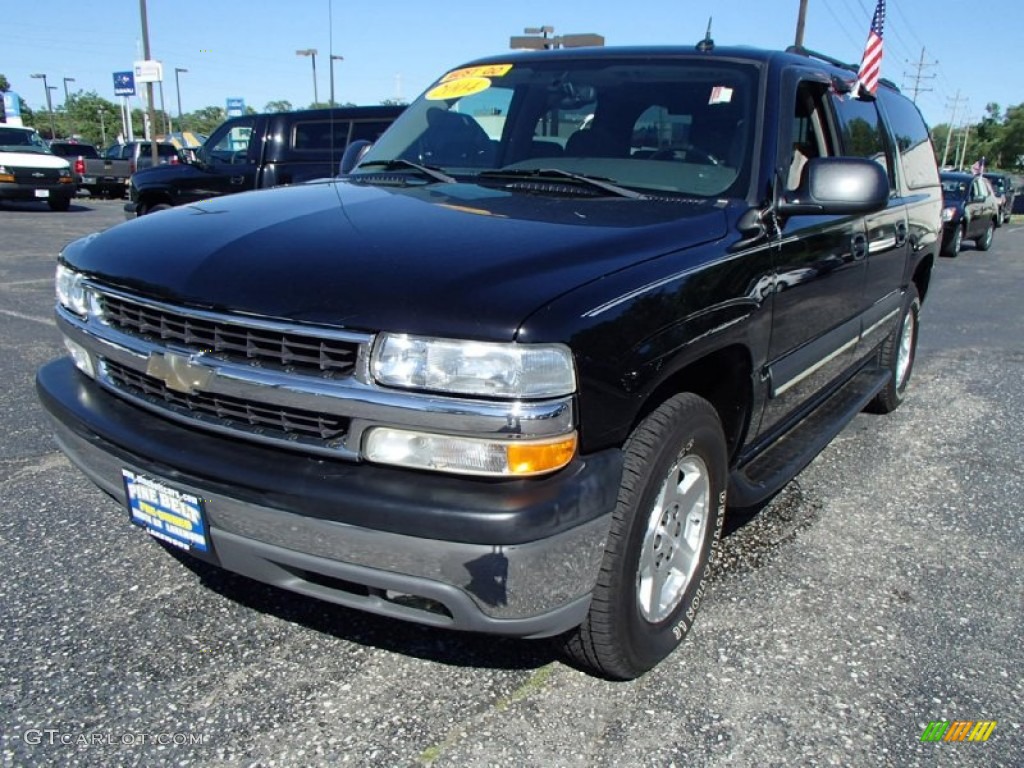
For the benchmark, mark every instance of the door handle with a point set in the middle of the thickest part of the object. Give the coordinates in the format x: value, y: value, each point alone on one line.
x: 901, y: 233
x: 859, y: 246
x: 237, y: 179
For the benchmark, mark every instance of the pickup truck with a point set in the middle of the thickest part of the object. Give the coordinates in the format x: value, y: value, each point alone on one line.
x: 506, y: 373
x: 92, y: 173
x: 258, y: 151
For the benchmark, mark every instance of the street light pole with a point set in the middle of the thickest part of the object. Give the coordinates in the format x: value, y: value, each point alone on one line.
x: 49, y: 103
x: 312, y: 53
x: 71, y: 123
x: 177, y: 85
x: 334, y: 59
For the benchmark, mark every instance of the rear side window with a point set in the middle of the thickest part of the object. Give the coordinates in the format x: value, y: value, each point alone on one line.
x: 320, y: 135
x: 917, y: 158
x: 862, y: 132
x: 369, y: 129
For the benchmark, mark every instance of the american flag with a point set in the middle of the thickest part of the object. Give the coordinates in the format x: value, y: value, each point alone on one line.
x: 871, y: 63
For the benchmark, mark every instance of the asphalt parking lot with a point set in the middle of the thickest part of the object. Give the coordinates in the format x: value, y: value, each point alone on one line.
x: 881, y: 590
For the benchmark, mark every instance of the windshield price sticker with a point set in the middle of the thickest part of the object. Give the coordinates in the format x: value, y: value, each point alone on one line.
x: 165, y: 513
x: 491, y: 70
x: 456, y: 89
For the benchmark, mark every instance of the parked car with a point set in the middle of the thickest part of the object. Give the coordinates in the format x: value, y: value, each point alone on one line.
x: 970, y: 211
x: 30, y: 171
x: 1006, y: 193
x: 505, y: 373
x: 76, y: 153
x: 256, y: 152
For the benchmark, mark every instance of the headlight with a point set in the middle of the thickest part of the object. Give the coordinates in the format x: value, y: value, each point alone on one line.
x: 65, y: 175
x: 6, y: 174
x: 70, y: 291
x: 948, y: 214
x: 473, y: 368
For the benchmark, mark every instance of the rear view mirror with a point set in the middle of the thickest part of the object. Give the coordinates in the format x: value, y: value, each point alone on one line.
x: 838, y: 186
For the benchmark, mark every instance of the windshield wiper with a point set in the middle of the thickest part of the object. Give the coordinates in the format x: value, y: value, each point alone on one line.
x: 599, y: 182
x: 430, y: 171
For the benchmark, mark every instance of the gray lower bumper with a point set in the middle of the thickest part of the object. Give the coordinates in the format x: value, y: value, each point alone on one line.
x: 534, y: 589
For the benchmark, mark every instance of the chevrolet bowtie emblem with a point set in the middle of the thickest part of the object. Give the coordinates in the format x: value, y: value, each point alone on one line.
x: 38, y: 175
x: 178, y: 372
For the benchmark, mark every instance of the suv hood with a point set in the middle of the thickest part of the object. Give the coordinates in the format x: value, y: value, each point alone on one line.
x: 418, y: 259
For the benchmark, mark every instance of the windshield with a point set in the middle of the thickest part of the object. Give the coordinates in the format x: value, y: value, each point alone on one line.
x: 955, y: 189
x: 15, y: 140
x: 677, y: 125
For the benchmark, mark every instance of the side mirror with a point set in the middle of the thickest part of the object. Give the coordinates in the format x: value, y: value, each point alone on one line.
x: 353, y: 154
x: 838, y: 186
x: 187, y: 155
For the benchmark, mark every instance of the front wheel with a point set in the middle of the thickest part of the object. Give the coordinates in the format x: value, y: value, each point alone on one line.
x: 59, y: 203
x: 984, y: 242
x: 952, y: 244
x: 156, y: 208
x: 897, y: 355
x: 661, y: 544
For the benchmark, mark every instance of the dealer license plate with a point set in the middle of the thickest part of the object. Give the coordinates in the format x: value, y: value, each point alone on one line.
x: 170, y: 515
x: 42, y: 193
x: 88, y: 179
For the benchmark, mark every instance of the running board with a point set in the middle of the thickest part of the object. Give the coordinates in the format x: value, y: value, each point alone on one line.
x: 765, y: 474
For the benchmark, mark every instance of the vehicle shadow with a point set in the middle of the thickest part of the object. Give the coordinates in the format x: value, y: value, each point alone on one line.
x: 444, y: 646
x: 32, y: 206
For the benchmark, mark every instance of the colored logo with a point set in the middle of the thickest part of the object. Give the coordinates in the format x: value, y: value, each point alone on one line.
x: 958, y: 730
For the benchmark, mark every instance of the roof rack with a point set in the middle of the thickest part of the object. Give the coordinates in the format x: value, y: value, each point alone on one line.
x: 801, y: 51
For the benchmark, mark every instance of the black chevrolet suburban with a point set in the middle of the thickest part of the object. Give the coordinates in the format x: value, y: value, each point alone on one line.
x: 258, y: 151
x: 507, y: 373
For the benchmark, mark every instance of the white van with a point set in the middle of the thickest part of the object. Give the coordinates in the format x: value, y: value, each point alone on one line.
x: 29, y: 171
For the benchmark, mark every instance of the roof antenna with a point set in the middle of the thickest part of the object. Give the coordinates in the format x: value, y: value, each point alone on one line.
x: 707, y: 44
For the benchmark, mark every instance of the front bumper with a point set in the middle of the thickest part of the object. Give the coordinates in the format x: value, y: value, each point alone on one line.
x: 509, y: 557
x: 19, y: 191
x: 131, y: 210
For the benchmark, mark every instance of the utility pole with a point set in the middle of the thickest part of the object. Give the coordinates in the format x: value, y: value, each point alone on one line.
x: 149, y: 85
x: 952, y: 120
x: 801, y: 21
x: 918, y: 77
x: 963, y: 149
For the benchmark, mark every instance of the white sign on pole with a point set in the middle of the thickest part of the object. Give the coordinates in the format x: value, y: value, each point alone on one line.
x: 149, y: 71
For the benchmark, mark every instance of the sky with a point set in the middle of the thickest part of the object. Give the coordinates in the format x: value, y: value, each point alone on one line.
x: 396, y: 48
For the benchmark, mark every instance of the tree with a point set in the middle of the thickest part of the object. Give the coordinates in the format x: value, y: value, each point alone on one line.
x: 205, y: 120
x: 280, y: 105
x: 5, y: 85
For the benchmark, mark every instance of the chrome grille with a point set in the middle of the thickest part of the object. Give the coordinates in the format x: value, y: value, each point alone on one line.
x: 272, y: 421
x: 232, y: 340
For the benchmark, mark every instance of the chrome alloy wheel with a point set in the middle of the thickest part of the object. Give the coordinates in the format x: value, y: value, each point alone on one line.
x: 676, y: 528
x: 906, y: 351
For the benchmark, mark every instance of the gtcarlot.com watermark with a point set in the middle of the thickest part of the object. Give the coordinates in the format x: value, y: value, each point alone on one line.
x: 57, y: 737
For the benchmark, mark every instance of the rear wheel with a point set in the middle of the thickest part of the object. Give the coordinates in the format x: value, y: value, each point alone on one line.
x: 661, y: 544
x: 897, y: 355
x: 984, y: 242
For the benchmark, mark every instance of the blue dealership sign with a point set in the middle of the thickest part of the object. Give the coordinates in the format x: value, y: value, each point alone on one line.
x: 236, y: 107
x: 124, y: 83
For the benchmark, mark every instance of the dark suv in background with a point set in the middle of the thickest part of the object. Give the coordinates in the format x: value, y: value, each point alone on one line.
x: 970, y: 211
x: 1003, y: 186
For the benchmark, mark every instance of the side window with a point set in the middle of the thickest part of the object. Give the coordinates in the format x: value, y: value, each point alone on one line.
x: 320, y: 135
x: 230, y: 143
x: 809, y: 131
x: 917, y: 158
x: 368, y: 129
x: 862, y: 133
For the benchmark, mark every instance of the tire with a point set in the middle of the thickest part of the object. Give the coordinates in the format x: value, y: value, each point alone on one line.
x: 999, y: 218
x: 645, y: 598
x: 157, y: 207
x: 897, y: 355
x: 984, y: 242
x: 59, y: 203
x: 951, y: 246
